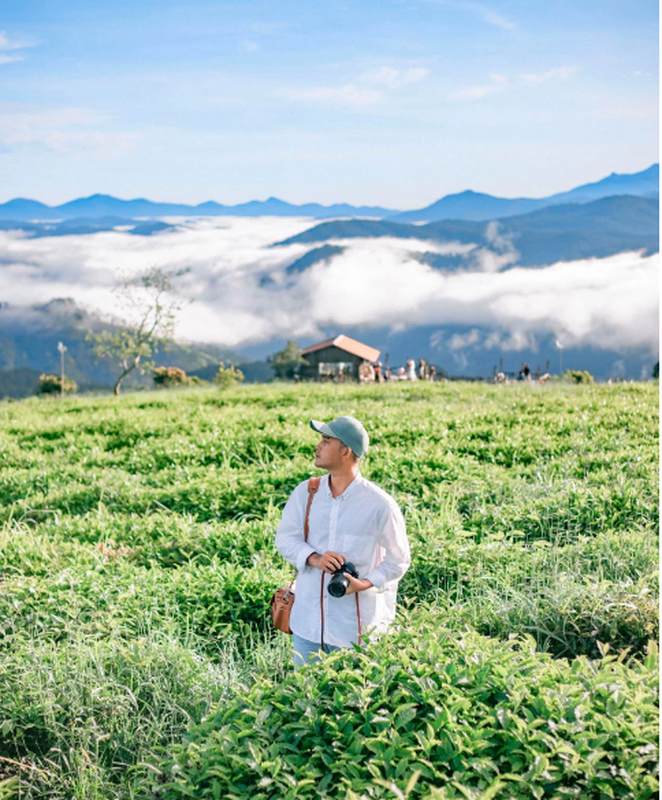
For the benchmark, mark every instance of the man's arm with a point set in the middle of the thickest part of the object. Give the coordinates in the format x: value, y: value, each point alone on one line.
x: 289, y: 538
x: 394, y: 541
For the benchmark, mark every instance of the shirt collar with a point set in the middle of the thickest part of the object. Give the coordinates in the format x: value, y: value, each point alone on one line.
x: 358, y: 480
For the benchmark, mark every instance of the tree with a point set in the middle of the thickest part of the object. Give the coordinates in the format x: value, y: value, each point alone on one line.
x: 655, y: 374
x: 228, y: 376
x: 133, y: 343
x: 286, y: 362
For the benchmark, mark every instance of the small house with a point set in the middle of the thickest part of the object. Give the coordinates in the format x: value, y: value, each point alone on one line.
x: 336, y: 359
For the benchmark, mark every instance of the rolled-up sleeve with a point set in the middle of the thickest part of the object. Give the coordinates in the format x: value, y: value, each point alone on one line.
x: 397, y: 557
x: 289, y: 538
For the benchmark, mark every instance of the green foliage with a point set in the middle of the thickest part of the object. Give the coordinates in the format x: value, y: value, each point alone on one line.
x: 228, y: 376
x: 286, y: 362
x: 137, y: 560
x: 578, y: 376
x: 52, y: 384
x: 426, y: 710
x: 173, y: 377
x: 655, y: 373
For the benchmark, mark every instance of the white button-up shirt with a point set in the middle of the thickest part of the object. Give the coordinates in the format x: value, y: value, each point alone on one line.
x: 365, y: 525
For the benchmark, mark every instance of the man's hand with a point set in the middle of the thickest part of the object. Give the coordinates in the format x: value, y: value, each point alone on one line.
x: 329, y: 562
x: 357, y: 584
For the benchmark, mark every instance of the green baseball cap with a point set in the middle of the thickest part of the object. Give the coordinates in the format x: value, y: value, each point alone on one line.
x: 349, y: 430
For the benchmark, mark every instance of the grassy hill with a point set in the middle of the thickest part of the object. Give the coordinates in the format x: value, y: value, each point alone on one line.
x: 28, y: 344
x: 137, y: 563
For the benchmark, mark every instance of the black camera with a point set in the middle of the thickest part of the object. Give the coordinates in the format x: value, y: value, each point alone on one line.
x: 339, y: 583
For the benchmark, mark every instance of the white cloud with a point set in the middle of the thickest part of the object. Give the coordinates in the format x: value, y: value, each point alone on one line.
x: 461, y: 340
x: 492, y: 18
x: 369, y: 88
x: 610, y: 303
x: 13, y: 44
x: 5, y: 58
x: 65, y: 130
x: 500, y: 82
x: 250, y: 47
x: 482, y: 12
x: 394, y: 78
x: 9, y: 48
x: 497, y: 84
x: 534, y: 79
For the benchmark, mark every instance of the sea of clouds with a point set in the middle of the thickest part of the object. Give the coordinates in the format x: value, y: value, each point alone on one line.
x: 242, y: 293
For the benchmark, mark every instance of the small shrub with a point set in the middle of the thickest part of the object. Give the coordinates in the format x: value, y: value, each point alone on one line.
x: 228, y: 376
x: 170, y: 376
x: 578, y: 376
x: 52, y: 384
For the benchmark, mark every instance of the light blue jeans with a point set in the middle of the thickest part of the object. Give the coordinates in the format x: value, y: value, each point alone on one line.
x: 308, y: 652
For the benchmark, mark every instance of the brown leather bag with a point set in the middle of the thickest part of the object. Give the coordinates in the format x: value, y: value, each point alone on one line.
x: 283, y: 598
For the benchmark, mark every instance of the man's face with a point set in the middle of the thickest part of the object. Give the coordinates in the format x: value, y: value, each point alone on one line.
x: 329, y: 453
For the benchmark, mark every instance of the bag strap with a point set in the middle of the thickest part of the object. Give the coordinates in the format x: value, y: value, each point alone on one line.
x: 313, y: 486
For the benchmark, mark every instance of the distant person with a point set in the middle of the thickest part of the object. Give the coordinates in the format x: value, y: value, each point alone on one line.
x: 422, y: 369
x: 364, y: 371
x: 411, y: 370
x: 379, y: 373
x: 351, y: 521
x: 433, y: 373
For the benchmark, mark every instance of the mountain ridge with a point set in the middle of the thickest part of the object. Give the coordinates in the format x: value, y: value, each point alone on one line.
x: 477, y: 206
x: 467, y: 205
x: 569, y: 232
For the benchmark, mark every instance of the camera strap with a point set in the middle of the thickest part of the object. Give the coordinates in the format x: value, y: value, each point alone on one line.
x: 358, y: 612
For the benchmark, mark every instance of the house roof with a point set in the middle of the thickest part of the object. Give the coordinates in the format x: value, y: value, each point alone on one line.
x: 349, y: 345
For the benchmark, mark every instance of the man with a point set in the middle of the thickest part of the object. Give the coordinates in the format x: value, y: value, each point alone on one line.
x: 350, y: 520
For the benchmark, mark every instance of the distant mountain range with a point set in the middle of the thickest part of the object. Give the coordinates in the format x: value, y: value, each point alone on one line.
x: 101, y: 205
x: 467, y: 205
x: 617, y: 214
x: 559, y: 233
x: 474, y: 206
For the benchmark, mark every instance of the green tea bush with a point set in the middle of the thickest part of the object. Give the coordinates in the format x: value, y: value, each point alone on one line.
x: 430, y: 708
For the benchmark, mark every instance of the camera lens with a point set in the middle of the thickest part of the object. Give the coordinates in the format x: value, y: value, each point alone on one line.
x: 338, y: 585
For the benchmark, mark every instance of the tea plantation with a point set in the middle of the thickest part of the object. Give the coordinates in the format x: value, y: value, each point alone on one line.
x: 137, y: 563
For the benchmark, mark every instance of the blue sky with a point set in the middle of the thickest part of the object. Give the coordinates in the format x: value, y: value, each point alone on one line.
x: 390, y: 103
